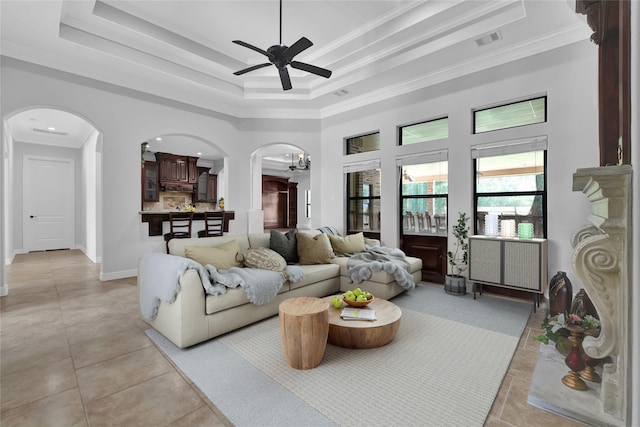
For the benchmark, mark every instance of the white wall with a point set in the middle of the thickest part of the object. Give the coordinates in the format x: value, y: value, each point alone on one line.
x: 125, y: 119
x: 569, y: 79
x: 91, y: 192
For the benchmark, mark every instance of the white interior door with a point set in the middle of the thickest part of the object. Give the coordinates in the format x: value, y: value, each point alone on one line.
x: 48, y: 203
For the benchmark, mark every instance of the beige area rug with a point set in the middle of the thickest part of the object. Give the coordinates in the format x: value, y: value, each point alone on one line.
x: 435, y: 372
x: 438, y: 371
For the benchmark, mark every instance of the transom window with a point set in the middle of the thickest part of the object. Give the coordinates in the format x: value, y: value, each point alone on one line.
x: 510, y: 115
x: 363, y: 143
x: 424, y: 131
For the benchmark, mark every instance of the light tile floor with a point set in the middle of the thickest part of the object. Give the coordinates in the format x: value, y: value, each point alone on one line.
x: 73, y: 353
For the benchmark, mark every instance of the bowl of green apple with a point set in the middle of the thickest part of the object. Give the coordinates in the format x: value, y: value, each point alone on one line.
x: 357, y: 297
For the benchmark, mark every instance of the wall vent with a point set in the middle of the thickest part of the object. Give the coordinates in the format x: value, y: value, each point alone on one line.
x: 489, y: 38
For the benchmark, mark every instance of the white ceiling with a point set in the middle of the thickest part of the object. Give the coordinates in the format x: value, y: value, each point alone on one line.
x: 183, y: 50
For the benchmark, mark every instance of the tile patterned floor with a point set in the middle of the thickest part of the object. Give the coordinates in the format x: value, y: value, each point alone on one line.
x: 73, y: 353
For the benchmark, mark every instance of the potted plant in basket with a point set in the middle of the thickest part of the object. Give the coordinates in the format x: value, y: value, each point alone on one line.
x: 455, y: 283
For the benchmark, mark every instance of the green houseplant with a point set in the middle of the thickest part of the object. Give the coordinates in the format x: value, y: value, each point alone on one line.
x: 455, y: 282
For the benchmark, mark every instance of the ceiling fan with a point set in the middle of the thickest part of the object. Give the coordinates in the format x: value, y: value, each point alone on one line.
x: 281, y: 56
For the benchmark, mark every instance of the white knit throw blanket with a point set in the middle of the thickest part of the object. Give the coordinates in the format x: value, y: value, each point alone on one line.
x: 362, y: 265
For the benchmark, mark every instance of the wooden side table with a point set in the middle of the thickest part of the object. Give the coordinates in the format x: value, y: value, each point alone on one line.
x: 304, y: 327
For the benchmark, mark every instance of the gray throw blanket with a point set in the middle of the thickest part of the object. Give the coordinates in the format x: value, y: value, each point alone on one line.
x: 160, y: 280
x: 361, y: 265
x: 260, y: 285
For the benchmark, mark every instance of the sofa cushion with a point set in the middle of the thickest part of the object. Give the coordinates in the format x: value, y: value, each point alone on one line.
x: 264, y: 258
x: 222, y: 257
x: 258, y: 240
x: 285, y: 244
x: 176, y: 246
x: 314, y: 274
x: 347, y: 245
x: 314, y: 249
x: 234, y: 297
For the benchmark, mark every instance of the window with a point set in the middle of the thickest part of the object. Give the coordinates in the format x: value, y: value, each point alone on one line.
x: 511, y: 185
x: 363, y: 143
x: 425, y: 131
x: 363, y: 197
x: 424, y: 191
x: 510, y: 115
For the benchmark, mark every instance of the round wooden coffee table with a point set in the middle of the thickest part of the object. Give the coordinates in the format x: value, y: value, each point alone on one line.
x: 364, y: 333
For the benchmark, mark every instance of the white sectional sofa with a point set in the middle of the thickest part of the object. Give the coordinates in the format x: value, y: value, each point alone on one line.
x: 195, y: 316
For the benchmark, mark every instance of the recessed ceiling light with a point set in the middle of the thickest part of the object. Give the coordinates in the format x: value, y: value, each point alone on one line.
x: 158, y: 139
x: 198, y: 154
x: 51, y: 128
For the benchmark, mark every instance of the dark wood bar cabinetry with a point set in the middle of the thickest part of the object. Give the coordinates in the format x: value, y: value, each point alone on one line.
x: 207, y: 187
x: 155, y: 220
x: 150, y: 182
x: 177, y: 173
x: 432, y: 250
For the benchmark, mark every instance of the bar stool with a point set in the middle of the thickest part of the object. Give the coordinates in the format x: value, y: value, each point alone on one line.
x: 213, y: 222
x: 179, y: 226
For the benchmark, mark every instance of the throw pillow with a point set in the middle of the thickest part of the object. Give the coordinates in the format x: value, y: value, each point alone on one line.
x: 222, y: 257
x: 285, y: 245
x: 264, y: 258
x: 314, y: 249
x: 347, y: 245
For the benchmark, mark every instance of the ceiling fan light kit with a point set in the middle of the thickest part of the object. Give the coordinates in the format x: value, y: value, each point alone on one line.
x: 281, y: 56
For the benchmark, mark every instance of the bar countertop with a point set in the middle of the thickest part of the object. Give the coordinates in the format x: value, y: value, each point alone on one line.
x: 156, y: 218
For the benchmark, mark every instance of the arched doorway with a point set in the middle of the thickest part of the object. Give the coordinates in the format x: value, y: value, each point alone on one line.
x: 48, y: 135
x: 281, y: 186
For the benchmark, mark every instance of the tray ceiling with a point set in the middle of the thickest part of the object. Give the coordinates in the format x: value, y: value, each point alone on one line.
x: 182, y: 50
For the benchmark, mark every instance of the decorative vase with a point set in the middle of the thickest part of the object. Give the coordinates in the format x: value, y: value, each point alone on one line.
x: 560, y: 294
x: 574, y: 360
x: 582, y: 305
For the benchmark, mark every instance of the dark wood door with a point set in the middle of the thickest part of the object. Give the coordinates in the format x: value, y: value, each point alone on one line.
x: 432, y: 250
x: 275, y: 201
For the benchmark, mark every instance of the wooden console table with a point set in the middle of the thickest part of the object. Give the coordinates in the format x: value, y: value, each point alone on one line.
x: 155, y: 220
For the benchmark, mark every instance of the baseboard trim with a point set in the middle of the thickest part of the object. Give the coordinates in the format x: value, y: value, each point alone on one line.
x: 105, y: 277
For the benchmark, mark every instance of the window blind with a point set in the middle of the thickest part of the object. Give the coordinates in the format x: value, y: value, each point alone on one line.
x: 509, y: 147
x: 428, y: 157
x: 361, y: 166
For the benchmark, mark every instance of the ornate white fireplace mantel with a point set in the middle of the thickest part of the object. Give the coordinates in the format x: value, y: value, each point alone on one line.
x: 602, y: 260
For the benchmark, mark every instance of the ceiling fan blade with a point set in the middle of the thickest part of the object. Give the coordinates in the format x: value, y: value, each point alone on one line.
x: 302, y: 44
x: 255, y: 67
x: 284, y: 78
x: 252, y: 47
x: 311, y: 69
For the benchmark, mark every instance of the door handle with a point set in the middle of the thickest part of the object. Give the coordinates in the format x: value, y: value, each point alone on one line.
x: 32, y: 216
